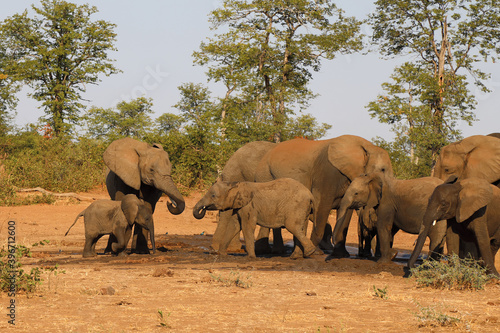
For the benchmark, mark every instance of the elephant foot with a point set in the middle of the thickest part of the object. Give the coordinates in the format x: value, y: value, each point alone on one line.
x: 309, y: 251
x: 365, y: 254
x: 297, y: 253
x: 89, y: 255
x: 278, y: 249
x: 326, y: 246
x: 262, y: 246
x: 122, y: 254
x: 339, y: 252
x: 141, y: 251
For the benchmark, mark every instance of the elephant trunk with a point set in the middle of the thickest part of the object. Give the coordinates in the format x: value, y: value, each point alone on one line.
x: 342, y: 221
x: 422, y: 236
x: 167, y: 186
x: 199, y: 210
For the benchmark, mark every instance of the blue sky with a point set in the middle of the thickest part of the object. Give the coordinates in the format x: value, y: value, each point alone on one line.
x: 157, y: 38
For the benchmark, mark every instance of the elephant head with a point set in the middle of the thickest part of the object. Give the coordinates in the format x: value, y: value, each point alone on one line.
x: 476, y: 156
x: 223, y: 196
x: 453, y: 199
x: 354, y: 156
x: 139, y: 163
x: 364, y: 192
x: 140, y: 212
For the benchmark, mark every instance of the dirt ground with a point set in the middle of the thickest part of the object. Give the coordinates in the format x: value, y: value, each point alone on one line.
x: 187, y: 284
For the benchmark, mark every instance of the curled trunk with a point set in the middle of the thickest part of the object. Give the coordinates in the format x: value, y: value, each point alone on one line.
x: 167, y: 186
x: 199, y: 211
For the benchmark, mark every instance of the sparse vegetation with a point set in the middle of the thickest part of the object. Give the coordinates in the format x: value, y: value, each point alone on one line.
x: 431, y: 316
x: 13, y: 278
x: 232, y: 279
x: 452, y: 273
x: 163, y: 318
x: 380, y: 293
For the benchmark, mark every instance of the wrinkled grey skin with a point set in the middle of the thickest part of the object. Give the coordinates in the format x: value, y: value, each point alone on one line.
x: 108, y: 217
x: 472, y: 209
x: 280, y: 203
x: 239, y: 168
x: 396, y: 205
x: 326, y: 168
x: 145, y: 171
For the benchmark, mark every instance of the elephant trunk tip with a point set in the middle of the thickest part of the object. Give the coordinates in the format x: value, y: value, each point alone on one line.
x: 176, y: 207
x: 199, y: 212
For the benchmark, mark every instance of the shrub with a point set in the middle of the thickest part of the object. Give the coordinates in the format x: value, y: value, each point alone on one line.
x: 453, y: 273
x: 11, y: 271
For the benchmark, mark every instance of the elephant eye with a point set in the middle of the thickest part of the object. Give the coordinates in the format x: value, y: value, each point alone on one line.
x: 355, y: 193
x: 383, y: 169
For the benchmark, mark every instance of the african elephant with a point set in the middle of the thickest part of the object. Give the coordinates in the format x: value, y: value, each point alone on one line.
x: 397, y: 205
x: 240, y: 167
x: 109, y: 217
x: 326, y: 168
x: 472, y: 208
x: 279, y: 203
x: 475, y: 156
x: 144, y: 170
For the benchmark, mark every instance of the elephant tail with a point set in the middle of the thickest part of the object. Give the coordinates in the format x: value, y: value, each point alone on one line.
x: 79, y: 215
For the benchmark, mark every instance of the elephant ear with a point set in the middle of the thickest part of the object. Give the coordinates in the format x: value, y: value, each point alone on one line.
x: 238, y: 196
x: 348, y: 155
x: 375, y: 185
x: 122, y: 158
x: 130, y: 207
x: 482, y: 157
x: 474, y: 195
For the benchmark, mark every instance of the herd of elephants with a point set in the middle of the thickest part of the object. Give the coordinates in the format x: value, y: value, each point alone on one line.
x: 288, y: 184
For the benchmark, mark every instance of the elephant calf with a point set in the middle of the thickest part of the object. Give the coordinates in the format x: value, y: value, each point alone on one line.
x: 116, y: 218
x: 279, y: 203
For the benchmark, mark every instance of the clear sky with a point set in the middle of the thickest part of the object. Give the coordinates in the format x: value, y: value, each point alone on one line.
x: 157, y: 38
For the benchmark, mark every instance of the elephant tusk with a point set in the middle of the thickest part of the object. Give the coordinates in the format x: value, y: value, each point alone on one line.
x: 434, y: 223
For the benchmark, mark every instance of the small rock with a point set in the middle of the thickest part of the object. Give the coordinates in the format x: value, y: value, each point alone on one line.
x: 108, y: 291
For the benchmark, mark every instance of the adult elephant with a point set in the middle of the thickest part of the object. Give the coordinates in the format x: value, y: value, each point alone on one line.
x: 326, y: 168
x: 475, y: 156
x: 240, y: 167
x: 472, y: 210
x: 144, y: 170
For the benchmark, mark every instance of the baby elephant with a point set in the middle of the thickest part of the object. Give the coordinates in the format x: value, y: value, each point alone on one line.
x: 279, y: 203
x: 115, y: 218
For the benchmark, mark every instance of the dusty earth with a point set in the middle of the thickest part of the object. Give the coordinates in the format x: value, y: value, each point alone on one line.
x: 187, y: 284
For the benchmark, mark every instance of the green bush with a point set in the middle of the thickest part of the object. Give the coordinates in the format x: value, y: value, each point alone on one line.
x: 453, y: 273
x: 55, y: 164
x: 11, y: 271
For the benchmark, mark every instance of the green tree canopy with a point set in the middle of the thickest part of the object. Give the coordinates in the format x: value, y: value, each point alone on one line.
x: 57, y: 52
x: 266, y: 57
x: 128, y: 119
x: 446, y: 39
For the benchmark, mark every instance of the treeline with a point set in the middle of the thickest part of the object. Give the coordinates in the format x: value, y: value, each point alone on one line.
x: 264, y: 54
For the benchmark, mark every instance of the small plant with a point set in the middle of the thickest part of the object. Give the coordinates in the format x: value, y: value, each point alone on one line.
x: 163, y: 318
x: 41, y: 243
x: 380, y: 293
x: 233, y: 279
x: 453, y: 273
x: 13, y: 278
x: 53, y: 271
x: 430, y: 316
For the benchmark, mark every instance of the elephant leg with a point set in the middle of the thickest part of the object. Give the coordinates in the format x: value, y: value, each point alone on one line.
x: 111, y: 240
x: 227, y: 239
x: 483, y: 241
x: 278, y: 245
x: 140, y: 240
x: 437, y: 237
x: 301, y: 241
x: 120, y: 245
x: 339, y: 239
x: 248, y: 224
x: 452, y: 240
x: 89, y: 247
x: 262, y: 244
x: 326, y: 242
x: 228, y: 225
x: 384, y: 234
